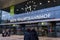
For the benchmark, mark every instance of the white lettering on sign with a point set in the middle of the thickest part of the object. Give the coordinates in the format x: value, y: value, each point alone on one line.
x: 33, y: 17
x: 37, y: 17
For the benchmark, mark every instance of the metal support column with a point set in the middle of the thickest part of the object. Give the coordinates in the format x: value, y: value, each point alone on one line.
x: 0, y: 16
x: 0, y: 11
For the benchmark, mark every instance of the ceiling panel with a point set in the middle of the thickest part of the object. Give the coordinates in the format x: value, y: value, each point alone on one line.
x: 7, y: 3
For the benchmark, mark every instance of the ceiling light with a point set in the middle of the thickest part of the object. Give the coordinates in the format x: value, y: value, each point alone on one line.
x: 34, y: 2
x: 40, y: 3
x: 17, y: 10
x: 48, y: 1
x: 22, y: 8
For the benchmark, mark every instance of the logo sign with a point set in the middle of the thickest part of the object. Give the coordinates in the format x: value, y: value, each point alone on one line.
x: 32, y: 17
x: 37, y: 17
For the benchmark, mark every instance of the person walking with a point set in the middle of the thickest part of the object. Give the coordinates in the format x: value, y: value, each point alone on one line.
x: 27, y: 35
x: 4, y: 33
x: 7, y: 32
x: 34, y: 35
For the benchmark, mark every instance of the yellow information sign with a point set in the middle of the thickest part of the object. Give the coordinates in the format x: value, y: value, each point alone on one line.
x: 12, y: 10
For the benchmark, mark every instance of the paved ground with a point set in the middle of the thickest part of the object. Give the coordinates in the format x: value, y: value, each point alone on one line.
x: 18, y: 37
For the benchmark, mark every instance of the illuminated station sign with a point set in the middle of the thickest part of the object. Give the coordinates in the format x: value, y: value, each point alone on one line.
x: 53, y: 12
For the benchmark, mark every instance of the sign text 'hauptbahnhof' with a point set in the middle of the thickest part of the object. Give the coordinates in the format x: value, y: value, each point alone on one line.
x: 53, y: 12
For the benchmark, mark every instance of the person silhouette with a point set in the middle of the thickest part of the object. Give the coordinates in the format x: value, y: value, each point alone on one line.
x: 34, y: 35
x: 27, y: 35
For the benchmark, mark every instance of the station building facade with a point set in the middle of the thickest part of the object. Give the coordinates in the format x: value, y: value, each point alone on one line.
x: 45, y: 21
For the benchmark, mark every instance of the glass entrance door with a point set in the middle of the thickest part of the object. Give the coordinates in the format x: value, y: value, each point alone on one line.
x: 43, y: 31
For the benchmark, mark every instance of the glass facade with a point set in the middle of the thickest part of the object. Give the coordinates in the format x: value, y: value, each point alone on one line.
x: 58, y: 29
x: 49, y: 28
x: 0, y: 16
x: 42, y: 28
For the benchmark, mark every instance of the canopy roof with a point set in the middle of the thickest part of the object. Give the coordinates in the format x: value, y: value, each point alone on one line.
x: 7, y: 3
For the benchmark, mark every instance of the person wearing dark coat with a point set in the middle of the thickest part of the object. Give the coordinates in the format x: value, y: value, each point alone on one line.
x: 27, y: 35
x: 34, y: 35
